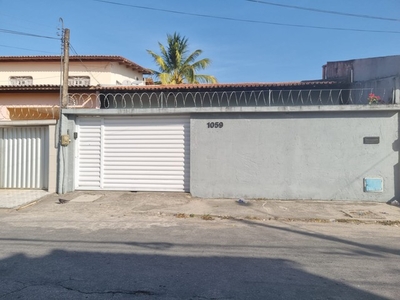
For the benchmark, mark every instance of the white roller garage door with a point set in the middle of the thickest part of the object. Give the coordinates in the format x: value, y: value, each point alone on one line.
x: 134, y: 154
x: 24, y: 157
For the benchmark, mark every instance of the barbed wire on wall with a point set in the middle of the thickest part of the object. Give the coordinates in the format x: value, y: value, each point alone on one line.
x: 29, y: 112
x: 255, y: 98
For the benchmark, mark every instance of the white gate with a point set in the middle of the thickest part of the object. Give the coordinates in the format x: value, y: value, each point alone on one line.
x: 135, y: 154
x: 24, y: 157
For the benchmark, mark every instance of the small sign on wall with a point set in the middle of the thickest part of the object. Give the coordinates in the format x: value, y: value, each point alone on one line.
x: 374, y: 185
x: 371, y: 140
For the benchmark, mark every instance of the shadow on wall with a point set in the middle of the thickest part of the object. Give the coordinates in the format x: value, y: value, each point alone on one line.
x: 396, y: 167
x: 97, y: 275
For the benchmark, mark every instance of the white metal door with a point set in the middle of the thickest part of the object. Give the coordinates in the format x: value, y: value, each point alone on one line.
x: 89, y: 153
x: 24, y: 157
x: 135, y: 154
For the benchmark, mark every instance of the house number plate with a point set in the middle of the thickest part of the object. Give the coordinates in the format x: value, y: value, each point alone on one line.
x: 215, y: 124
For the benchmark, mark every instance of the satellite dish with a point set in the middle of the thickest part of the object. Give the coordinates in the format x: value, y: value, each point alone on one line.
x: 126, y: 82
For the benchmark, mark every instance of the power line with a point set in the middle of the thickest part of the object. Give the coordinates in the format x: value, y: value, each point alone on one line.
x: 26, y: 34
x: 249, y: 21
x: 76, y: 53
x: 26, y: 49
x: 326, y: 11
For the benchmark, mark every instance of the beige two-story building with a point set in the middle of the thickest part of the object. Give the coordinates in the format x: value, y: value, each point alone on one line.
x: 29, y: 109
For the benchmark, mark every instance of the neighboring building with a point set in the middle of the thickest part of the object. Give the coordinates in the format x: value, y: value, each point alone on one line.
x: 29, y: 108
x: 30, y: 85
x: 382, y: 74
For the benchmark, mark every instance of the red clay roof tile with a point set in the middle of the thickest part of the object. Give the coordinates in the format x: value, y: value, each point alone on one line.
x: 82, y: 58
x: 183, y: 87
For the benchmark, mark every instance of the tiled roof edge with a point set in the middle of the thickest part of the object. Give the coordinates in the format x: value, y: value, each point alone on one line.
x: 83, y: 58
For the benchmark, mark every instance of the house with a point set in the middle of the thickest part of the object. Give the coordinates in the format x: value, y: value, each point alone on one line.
x: 315, y: 139
x: 29, y: 108
x: 293, y: 140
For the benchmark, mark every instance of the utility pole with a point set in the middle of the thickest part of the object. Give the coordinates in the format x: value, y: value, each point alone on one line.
x: 63, y: 139
x: 64, y: 99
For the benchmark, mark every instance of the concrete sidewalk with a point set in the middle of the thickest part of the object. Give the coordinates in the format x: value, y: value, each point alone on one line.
x: 10, y: 198
x: 182, y: 205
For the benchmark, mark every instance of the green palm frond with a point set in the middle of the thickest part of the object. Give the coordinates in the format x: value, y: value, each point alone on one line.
x: 176, y: 66
x: 193, y: 56
x: 201, y: 64
x: 205, y: 79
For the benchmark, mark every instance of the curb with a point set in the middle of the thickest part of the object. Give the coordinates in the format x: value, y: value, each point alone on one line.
x: 211, y: 217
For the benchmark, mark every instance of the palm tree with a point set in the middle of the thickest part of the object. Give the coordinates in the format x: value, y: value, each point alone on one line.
x: 176, y: 66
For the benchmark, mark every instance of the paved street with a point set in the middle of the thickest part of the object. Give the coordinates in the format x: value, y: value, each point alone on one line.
x: 54, y: 251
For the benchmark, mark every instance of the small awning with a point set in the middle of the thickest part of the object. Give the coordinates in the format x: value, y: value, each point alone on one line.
x: 33, y: 112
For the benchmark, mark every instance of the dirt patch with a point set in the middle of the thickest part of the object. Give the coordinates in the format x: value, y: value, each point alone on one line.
x: 362, y: 214
x: 181, y: 216
x: 207, y: 217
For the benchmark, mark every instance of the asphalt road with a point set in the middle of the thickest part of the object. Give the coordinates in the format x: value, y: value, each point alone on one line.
x: 165, y: 257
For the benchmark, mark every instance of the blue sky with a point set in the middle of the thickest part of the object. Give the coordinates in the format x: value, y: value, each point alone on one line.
x: 240, y: 51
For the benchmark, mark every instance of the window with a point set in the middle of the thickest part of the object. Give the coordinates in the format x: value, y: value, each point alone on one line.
x: 21, y: 80
x: 78, y: 80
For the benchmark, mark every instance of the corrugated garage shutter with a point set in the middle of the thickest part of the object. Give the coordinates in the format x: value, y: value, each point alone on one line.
x: 142, y: 154
x: 24, y: 157
x: 89, y: 153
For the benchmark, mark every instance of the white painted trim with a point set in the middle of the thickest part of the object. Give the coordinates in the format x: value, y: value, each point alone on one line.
x: 28, y: 123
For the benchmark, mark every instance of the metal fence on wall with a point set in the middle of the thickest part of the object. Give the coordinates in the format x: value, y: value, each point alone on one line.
x: 29, y: 112
x: 255, y: 98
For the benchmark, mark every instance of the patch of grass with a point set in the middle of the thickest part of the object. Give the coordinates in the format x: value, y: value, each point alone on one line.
x: 181, y: 216
x: 389, y: 222
x: 226, y: 217
x: 207, y: 217
x: 252, y: 218
x: 351, y: 221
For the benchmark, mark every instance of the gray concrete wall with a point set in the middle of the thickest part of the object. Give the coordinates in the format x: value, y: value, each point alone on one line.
x: 294, y: 155
x: 66, y: 157
x: 376, y: 67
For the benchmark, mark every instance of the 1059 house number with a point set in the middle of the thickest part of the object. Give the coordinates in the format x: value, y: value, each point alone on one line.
x: 215, y: 125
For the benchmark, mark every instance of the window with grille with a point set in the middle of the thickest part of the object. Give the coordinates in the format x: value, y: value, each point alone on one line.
x: 78, y: 80
x: 21, y: 80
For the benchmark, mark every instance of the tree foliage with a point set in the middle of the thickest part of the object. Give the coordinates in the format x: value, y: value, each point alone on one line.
x: 176, y: 65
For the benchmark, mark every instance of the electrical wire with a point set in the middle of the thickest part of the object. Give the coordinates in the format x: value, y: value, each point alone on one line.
x: 26, y: 49
x: 2, y: 30
x: 76, y: 53
x: 325, y: 11
x: 248, y: 20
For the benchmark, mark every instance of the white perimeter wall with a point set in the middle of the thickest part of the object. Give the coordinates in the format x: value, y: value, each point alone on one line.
x: 300, y: 155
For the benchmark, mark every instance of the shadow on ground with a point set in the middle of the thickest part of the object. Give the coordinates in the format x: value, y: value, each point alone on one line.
x: 95, y: 275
